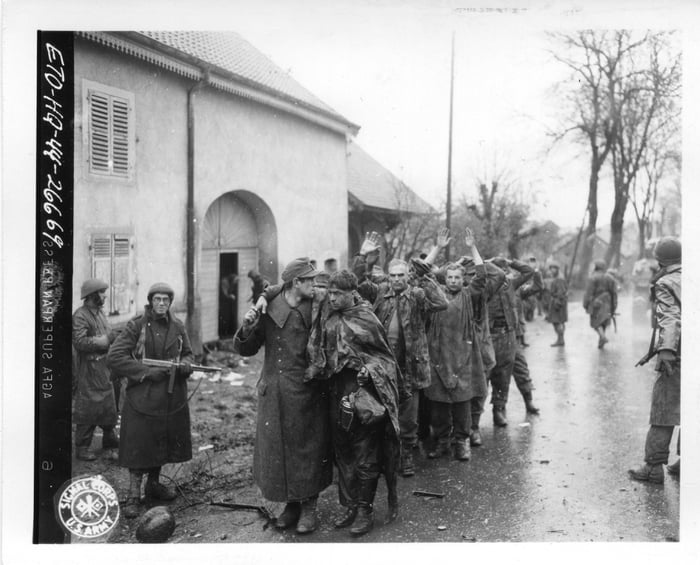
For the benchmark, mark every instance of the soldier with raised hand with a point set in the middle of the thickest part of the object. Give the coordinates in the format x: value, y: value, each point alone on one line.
x: 666, y: 346
x: 403, y: 309
x: 94, y: 402
x: 155, y: 427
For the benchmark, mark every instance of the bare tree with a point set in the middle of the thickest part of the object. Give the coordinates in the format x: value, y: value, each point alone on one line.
x: 646, y: 92
x: 593, y: 58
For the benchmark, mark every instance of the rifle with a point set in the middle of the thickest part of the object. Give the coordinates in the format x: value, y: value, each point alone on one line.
x: 174, y: 366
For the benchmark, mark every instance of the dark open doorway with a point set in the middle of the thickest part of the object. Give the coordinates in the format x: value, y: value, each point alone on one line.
x: 228, y: 294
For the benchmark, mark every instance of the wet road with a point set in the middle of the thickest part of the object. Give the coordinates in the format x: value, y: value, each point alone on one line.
x: 560, y: 476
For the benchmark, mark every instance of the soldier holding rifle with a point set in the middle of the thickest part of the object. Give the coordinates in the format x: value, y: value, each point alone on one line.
x: 155, y: 427
x: 666, y: 347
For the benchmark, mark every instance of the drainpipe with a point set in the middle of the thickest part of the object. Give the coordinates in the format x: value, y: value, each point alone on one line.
x: 193, y: 322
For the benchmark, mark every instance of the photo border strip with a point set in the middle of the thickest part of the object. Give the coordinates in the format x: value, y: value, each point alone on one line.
x: 54, y: 274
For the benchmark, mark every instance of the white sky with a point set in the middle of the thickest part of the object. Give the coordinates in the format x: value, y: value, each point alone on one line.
x: 386, y: 66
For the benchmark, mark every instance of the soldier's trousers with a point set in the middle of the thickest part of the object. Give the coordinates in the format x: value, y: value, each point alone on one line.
x: 505, y: 349
x: 450, y: 419
x: 408, y: 420
x: 656, y: 448
x: 84, y: 433
x: 521, y: 373
x: 357, y: 450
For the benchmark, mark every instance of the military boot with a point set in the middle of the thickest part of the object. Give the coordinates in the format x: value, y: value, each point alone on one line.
x: 648, y: 473
x: 407, y: 468
x: 289, y: 516
x: 308, y: 521
x: 155, y: 489
x: 530, y: 408
x: 675, y: 468
x: 365, y: 511
x: 347, y: 518
x: 132, y: 507
x: 475, y: 439
x: 462, y: 450
x: 440, y: 448
x: 499, y: 416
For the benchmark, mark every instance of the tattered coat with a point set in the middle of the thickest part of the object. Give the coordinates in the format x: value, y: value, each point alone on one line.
x: 455, y: 346
x: 155, y: 426
x: 414, y: 306
x: 292, y: 457
x: 93, y: 400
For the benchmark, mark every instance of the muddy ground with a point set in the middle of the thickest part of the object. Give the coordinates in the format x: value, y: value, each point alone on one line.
x: 222, y: 410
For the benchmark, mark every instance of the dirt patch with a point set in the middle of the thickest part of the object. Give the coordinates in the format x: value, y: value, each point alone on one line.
x: 223, y: 412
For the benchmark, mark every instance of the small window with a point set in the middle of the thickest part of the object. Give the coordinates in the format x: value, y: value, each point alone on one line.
x: 112, y: 262
x: 110, y: 130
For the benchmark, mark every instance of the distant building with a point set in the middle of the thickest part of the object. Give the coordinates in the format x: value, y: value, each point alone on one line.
x: 564, y: 253
x: 378, y: 200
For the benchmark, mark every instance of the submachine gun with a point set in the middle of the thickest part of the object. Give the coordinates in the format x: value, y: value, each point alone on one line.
x: 173, y: 366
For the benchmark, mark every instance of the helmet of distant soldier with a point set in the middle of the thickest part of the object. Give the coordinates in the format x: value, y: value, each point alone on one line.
x: 91, y: 286
x: 668, y: 250
x: 161, y: 288
x: 156, y: 525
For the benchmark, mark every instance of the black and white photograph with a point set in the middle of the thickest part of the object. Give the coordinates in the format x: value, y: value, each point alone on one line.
x: 399, y: 275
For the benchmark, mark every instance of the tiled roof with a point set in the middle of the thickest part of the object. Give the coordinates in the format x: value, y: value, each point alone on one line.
x: 373, y: 185
x: 231, y: 53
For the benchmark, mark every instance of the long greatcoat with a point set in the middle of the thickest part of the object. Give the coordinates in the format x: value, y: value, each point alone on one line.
x: 666, y: 396
x: 155, y: 427
x: 93, y: 401
x: 292, y: 458
x: 455, y: 352
x: 600, y: 299
x: 557, y: 292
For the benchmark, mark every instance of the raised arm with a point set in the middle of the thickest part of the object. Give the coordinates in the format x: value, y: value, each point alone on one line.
x: 442, y: 241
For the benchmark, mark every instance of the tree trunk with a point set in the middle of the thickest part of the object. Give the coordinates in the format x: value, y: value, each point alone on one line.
x: 617, y: 222
x: 589, y: 239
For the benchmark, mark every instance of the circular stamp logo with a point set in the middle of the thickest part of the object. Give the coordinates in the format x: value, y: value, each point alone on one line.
x: 88, y: 507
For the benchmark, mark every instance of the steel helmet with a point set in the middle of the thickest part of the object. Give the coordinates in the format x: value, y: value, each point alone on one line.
x: 668, y: 250
x: 91, y: 286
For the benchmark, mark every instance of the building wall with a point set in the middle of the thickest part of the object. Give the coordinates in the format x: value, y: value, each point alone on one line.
x: 297, y: 170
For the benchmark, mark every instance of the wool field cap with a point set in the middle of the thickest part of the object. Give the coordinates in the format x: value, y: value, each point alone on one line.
x: 668, y: 250
x: 300, y: 268
x: 92, y: 285
x: 322, y: 279
x: 161, y: 288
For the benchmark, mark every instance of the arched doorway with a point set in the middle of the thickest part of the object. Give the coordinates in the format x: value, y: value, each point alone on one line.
x: 238, y: 235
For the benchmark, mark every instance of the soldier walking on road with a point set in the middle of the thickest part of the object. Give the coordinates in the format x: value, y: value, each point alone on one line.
x: 94, y: 402
x: 557, y: 291
x: 666, y: 345
x: 600, y: 301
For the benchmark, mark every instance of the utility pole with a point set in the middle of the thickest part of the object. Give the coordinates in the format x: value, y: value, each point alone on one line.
x: 448, y: 219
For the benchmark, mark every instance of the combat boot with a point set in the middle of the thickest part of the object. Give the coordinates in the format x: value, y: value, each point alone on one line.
x: 648, y: 473
x: 462, y: 450
x: 407, y: 469
x: 440, y: 448
x: 132, y: 508
x: 289, y: 516
x: 365, y: 511
x: 347, y: 519
x: 109, y: 438
x: 308, y: 521
x: 675, y: 468
x: 499, y: 416
x: 475, y: 439
x: 530, y: 408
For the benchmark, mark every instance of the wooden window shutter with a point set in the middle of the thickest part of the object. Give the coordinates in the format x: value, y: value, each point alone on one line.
x: 120, y: 275
x: 110, y: 131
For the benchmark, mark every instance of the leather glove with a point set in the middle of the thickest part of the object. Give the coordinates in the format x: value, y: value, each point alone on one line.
x: 157, y: 374
x: 184, y: 369
x: 363, y: 376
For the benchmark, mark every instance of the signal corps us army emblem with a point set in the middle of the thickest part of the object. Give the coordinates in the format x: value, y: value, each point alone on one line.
x: 87, y: 507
